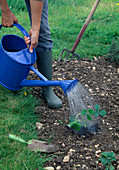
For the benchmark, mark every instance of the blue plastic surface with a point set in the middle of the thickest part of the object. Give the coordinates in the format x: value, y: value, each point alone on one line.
x: 66, y: 85
x: 16, y: 61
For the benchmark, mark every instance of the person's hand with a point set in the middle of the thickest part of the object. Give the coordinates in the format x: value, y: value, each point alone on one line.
x: 8, y: 19
x: 34, y: 40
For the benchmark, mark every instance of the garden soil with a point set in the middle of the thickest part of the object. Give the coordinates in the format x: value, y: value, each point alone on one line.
x: 101, y: 78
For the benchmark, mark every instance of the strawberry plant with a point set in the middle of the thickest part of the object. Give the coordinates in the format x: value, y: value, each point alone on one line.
x: 79, y: 120
x: 106, y: 159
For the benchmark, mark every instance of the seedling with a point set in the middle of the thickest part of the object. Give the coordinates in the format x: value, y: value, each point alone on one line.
x: 60, y: 122
x: 79, y: 120
x: 106, y: 159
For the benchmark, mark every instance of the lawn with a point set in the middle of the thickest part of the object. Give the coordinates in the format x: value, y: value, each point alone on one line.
x: 17, y: 116
x: 68, y: 21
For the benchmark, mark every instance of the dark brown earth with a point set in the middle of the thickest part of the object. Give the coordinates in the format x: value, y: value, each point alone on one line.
x: 101, y: 78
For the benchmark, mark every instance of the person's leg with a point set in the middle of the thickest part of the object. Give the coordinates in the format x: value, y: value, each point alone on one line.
x: 44, y: 56
x: 28, y: 8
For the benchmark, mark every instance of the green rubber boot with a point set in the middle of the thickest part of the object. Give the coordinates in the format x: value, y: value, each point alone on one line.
x: 44, y: 64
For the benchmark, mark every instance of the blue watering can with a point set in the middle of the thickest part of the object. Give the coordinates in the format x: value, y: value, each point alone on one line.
x: 16, y: 62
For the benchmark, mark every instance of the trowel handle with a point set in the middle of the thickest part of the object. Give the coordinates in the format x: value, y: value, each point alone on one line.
x: 20, y: 28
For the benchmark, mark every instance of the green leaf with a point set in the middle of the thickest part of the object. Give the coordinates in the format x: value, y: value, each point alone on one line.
x: 89, y: 117
x: 113, y: 158
x: 102, y: 113
x: 91, y: 111
x: 103, y: 160
x: 112, y: 154
x: 111, y: 167
x: 84, y: 112
x: 97, y: 108
x: 107, y: 167
x: 109, y: 161
x: 75, y: 125
x: 108, y: 154
x: 60, y: 122
x: 96, y: 114
x: 105, y: 154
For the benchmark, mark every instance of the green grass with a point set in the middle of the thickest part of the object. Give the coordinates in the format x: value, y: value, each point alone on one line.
x: 17, y: 112
x: 69, y: 19
x: 66, y: 19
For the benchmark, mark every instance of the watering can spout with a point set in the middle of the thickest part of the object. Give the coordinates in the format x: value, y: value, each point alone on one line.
x: 68, y: 85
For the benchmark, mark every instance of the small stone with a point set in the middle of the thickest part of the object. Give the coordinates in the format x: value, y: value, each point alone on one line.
x: 94, y: 68
x: 102, y: 94
x: 31, y: 72
x: 66, y: 158
x: 57, y: 124
x: 95, y: 58
x: 84, y: 167
x: 59, y: 78
x: 98, y: 151
x: 106, y: 74
x: 71, y: 151
x: 39, y: 125
x: 71, y: 160
x: 88, y: 157
x: 49, y: 168
x: 90, y: 90
x: 78, y: 165
x: 58, y: 167
x: 103, y: 121
x: 86, y: 85
x: 118, y: 71
x: 63, y: 145
x: 97, y: 145
x: 97, y: 89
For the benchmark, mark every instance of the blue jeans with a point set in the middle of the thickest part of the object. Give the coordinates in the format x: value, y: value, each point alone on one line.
x: 45, y: 42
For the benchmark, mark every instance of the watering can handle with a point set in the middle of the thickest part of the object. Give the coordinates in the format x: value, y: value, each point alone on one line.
x: 25, y: 33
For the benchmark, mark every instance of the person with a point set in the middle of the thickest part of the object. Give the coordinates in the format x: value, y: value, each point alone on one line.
x: 40, y: 40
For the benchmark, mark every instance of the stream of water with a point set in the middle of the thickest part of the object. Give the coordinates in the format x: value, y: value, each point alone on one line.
x: 79, y: 98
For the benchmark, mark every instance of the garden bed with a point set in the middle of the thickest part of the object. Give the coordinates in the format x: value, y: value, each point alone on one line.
x: 82, y: 152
